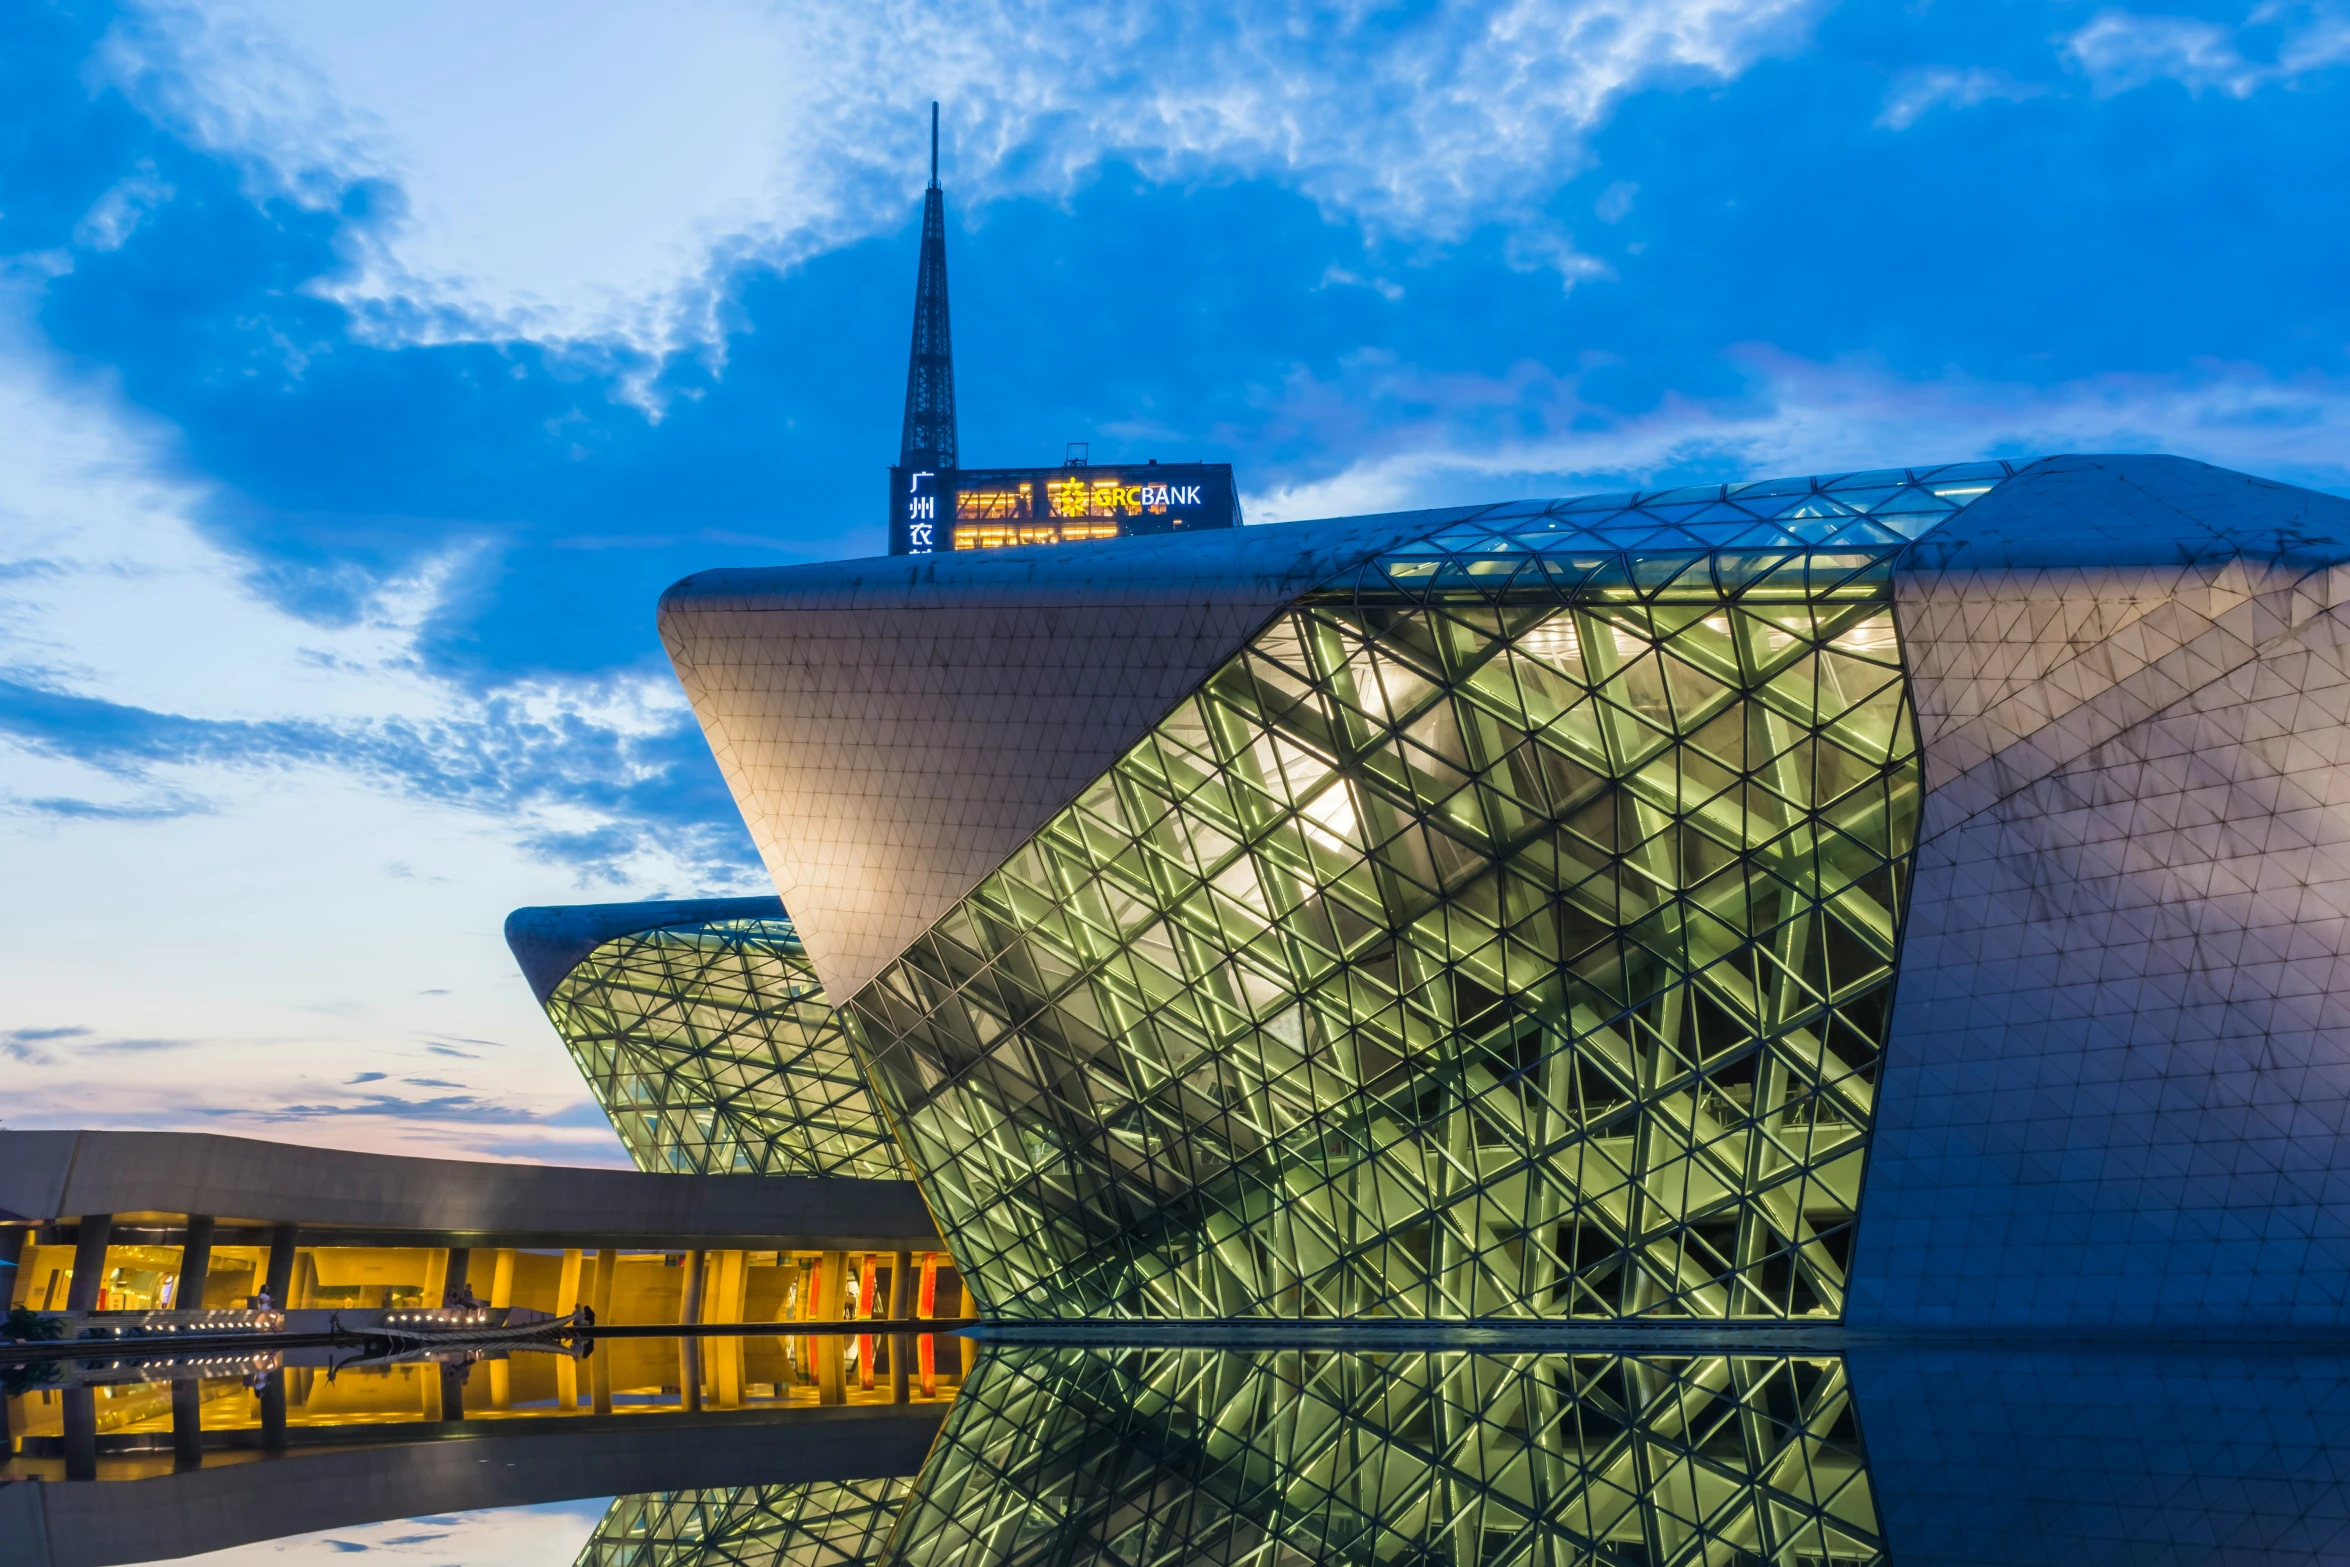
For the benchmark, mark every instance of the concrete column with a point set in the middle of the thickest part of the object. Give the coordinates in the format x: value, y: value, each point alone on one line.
x: 453, y: 1277
x: 901, y: 1355
x: 195, y: 1264
x: 280, y: 1278
x: 568, y: 1297
x: 689, y: 1305
x: 600, y: 1380
x: 832, y: 1294
x: 733, y: 1287
x: 689, y: 1374
x: 12, y: 1245
x: 187, y: 1423
x: 502, y: 1276
x: 89, y: 1264
x: 826, y: 1350
x: 600, y: 1300
x: 81, y: 1431
x: 453, y: 1390
x: 273, y: 1404
x: 901, y: 1285
x: 725, y: 1357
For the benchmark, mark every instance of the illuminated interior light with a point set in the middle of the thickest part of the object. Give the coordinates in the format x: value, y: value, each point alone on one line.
x: 1556, y: 641
x: 1330, y: 818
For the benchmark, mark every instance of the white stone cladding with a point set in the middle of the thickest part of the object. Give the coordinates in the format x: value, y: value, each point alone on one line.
x: 2118, y: 1075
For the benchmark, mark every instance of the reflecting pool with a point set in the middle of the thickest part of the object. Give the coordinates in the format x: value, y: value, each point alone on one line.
x: 758, y: 1451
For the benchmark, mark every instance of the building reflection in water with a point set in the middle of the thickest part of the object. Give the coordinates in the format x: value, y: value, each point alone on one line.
x: 1974, y: 1455
x: 1194, y: 1455
x: 827, y: 1524
x: 1061, y: 1454
x: 93, y: 1421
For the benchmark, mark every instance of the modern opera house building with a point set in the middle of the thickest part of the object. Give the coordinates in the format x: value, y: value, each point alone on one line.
x: 1902, y: 898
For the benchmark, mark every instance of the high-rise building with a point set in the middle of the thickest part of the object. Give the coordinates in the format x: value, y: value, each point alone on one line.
x: 1914, y: 896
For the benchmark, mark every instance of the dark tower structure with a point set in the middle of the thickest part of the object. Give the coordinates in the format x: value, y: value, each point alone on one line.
x: 929, y: 439
x: 935, y: 503
x: 927, y: 446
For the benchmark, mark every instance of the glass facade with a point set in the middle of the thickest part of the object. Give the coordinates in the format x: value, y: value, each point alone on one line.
x: 1507, y: 931
x: 829, y: 1524
x: 1189, y: 1455
x: 712, y: 1048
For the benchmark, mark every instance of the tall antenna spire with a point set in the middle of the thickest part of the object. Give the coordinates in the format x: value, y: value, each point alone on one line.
x: 928, y: 441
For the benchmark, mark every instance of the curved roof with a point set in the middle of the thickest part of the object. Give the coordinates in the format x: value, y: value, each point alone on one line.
x: 550, y: 940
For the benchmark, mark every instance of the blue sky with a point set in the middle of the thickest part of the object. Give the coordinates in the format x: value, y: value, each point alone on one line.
x: 367, y: 370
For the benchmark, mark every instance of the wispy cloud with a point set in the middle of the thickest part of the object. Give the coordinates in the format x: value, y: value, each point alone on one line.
x: 1796, y: 416
x: 522, y: 207
x: 25, y: 1044
x: 145, y: 658
x: 446, y: 1107
x: 2121, y: 50
x: 1916, y: 93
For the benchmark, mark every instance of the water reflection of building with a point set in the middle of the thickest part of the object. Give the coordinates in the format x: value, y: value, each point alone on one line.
x: 371, y: 1467
x: 138, y: 1424
x: 1496, y: 912
x: 1988, y: 1455
x: 1189, y: 1455
x: 828, y: 1524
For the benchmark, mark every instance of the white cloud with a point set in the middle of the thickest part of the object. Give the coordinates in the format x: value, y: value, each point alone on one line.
x: 2122, y: 50
x: 1914, y: 93
x: 1798, y: 417
x: 280, y: 858
x: 117, y: 214
x: 571, y: 172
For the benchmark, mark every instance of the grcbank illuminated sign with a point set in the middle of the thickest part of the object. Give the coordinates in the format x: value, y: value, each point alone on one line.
x: 995, y: 508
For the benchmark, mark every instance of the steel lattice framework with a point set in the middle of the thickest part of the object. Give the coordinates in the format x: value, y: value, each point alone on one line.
x: 1302, y: 1457
x: 928, y: 437
x: 830, y: 1524
x: 1506, y: 931
x: 713, y: 1050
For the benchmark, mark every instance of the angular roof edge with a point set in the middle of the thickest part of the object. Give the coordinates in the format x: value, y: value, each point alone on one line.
x: 1277, y: 555
x: 550, y: 940
x: 2126, y: 509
